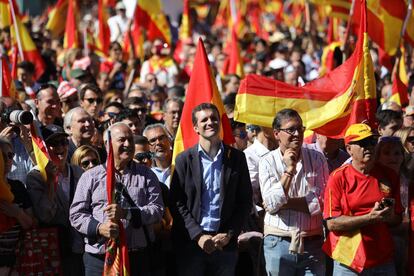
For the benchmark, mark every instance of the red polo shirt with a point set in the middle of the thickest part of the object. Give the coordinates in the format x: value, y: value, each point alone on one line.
x: 350, y: 192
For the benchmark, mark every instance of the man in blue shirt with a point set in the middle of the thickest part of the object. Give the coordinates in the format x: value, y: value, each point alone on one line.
x: 211, y: 197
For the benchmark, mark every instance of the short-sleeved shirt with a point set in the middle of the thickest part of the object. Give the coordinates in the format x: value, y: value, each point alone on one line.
x: 351, y: 193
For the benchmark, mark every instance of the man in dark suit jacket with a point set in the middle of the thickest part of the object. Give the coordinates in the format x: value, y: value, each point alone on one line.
x: 211, y: 197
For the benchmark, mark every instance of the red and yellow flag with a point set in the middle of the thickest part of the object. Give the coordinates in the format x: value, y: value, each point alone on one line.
x: 56, y: 22
x: 400, y: 84
x: 116, y: 257
x: 234, y: 63
x: 151, y: 18
x: 328, y: 60
x: 335, y: 8
x: 7, y: 88
x: 134, y: 38
x: 23, y: 41
x: 71, y: 39
x: 104, y: 35
x: 202, y: 88
x: 39, y: 149
x: 327, y: 105
x: 5, y: 18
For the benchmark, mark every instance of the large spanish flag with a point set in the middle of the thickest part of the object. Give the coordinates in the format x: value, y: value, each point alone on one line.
x: 7, y: 88
x: 327, y: 105
x: 71, y: 39
x: 21, y: 37
x: 202, y: 88
x: 57, y: 18
x: 152, y: 19
x: 116, y: 256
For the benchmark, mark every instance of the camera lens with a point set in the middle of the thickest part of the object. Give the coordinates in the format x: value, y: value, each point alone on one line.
x: 21, y: 117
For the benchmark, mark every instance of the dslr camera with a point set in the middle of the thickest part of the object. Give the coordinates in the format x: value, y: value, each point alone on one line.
x: 16, y: 116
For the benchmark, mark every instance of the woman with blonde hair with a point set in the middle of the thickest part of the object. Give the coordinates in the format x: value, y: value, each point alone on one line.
x: 407, y: 139
x: 85, y: 157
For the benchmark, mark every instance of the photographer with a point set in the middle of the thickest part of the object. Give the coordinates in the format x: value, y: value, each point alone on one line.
x: 12, y: 127
x: 362, y: 199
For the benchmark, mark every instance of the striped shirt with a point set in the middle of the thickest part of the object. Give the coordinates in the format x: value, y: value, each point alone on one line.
x: 91, y: 198
x: 309, y: 182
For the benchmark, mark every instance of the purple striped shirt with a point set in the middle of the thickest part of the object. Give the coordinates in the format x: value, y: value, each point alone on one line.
x: 91, y: 198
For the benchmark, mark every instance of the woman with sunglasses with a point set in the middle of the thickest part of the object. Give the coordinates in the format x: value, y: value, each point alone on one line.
x: 19, y: 209
x: 85, y: 157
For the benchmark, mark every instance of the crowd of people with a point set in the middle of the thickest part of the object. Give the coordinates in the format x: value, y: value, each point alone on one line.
x: 269, y: 204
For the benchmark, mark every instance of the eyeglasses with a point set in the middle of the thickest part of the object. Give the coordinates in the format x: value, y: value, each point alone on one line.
x: 159, y: 138
x: 242, y: 134
x: 292, y: 130
x: 410, y: 139
x: 92, y: 100
x: 141, y: 156
x: 87, y: 163
x: 57, y: 143
x: 365, y: 143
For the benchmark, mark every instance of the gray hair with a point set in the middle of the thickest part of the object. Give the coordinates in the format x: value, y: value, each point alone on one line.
x: 67, y: 120
x: 153, y: 126
x: 110, y: 128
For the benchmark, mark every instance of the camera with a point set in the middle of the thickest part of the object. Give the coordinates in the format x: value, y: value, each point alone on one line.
x: 386, y: 202
x: 16, y: 116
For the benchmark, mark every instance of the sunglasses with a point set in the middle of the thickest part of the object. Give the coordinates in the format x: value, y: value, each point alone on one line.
x: 410, y: 139
x: 87, y: 163
x: 57, y: 143
x: 141, y: 156
x: 92, y: 100
x: 365, y: 143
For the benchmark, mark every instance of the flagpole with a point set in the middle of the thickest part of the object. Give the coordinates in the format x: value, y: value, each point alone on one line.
x: 404, y: 26
x: 16, y: 29
x: 348, y: 27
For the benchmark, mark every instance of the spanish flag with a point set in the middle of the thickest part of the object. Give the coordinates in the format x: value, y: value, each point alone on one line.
x: 7, y: 88
x: 399, y: 87
x: 39, y: 149
x: 56, y: 22
x: 202, y: 88
x: 71, y: 39
x: 104, y: 35
x: 5, y: 19
x: 328, y: 58
x: 335, y: 8
x: 134, y: 39
x: 327, y: 105
x: 21, y: 37
x: 116, y: 257
x: 152, y: 19
x: 185, y: 33
x: 234, y: 63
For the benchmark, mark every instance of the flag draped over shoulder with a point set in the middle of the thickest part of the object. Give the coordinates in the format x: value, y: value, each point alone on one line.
x: 202, y: 88
x: 327, y: 105
x: 116, y: 257
x: 7, y: 88
x: 39, y: 149
x: 57, y: 18
x: 27, y: 48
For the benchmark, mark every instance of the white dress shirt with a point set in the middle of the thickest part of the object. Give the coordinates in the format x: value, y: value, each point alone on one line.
x: 309, y: 182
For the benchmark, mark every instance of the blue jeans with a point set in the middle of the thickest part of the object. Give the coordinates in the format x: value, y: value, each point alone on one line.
x: 387, y: 269
x: 191, y: 260
x: 280, y: 262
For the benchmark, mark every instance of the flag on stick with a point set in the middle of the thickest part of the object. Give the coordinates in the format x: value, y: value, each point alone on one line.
x: 202, y: 88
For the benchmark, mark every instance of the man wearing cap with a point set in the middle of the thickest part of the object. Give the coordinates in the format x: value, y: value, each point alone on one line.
x: 51, y: 199
x: 68, y: 96
x: 118, y: 24
x: 362, y: 197
x: 292, y: 180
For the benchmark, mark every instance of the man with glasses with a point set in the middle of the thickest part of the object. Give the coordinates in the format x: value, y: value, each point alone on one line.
x: 172, y: 114
x: 51, y: 199
x: 362, y: 197
x: 292, y: 180
x: 91, y: 99
x: 160, y: 146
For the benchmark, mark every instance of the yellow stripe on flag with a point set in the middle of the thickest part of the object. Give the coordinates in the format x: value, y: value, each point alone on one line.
x: 347, y: 247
